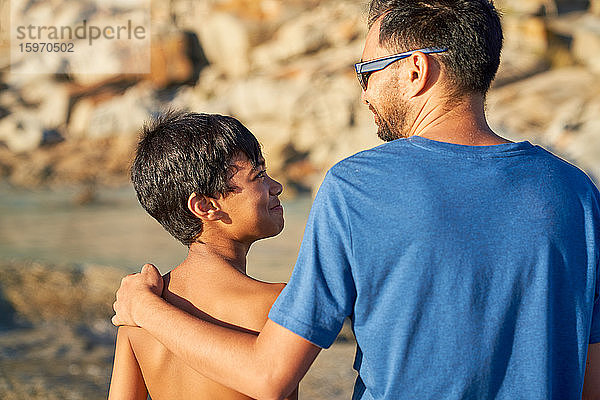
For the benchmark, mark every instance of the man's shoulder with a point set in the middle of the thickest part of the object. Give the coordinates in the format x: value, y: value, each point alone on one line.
x: 569, y: 172
x: 382, y: 151
x: 371, y: 161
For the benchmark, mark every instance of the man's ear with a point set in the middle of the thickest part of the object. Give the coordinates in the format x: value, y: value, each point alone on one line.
x: 419, y: 71
x: 203, y: 207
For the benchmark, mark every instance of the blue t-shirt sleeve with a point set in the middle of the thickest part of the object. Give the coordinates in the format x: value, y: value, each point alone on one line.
x: 321, y: 290
x: 595, y: 331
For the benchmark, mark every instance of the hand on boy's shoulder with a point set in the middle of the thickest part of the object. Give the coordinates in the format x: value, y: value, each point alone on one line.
x: 133, y: 287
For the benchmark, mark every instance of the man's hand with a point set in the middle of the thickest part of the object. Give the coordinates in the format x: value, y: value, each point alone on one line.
x: 134, y: 289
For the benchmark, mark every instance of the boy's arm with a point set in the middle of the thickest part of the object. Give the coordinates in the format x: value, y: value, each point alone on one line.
x: 591, y: 383
x: 126, y: 381
x: 267, y: 366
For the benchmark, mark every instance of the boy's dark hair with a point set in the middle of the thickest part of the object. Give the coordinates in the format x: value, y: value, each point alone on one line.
x: 181, y: 153
x: 470, y: 29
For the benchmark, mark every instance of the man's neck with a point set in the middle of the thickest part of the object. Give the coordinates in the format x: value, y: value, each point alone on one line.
x: 463, y: 122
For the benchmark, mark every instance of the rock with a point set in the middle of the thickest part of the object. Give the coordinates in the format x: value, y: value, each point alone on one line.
x: 81, y: 114
x: 121, y: 115
x: 567, y: 6
x: 4, y: 34
x: 346, y: 23
x: 586, y: 42
x: 186, y: 15
x: 541, y: 7
x: 517, y: 64
x: 21, y: 131
x: 195, y: 99
x: 574, y: 132
x: 264, y: 99
x: 212, y: 84
x: 70, y: 13
x: 40, y: 293
x: 527, y: 107
x: 543, y: 109
x: 595, y: 7
x: 176, y: 59
x: 328, y: 63
x: 324, y: 114
x: 162, y: 14
x: 298, y: 37
x: 528, y: 7
x: 274, y: 137
x: 189, y: 98
x: 51, y: 100
x: 259, y: 10
x: 524, y: 53
x: 225, y: 42
x: 91, y: 64
x: 77, y: 161
x: 51, y: 137
x: 526, y: 33
x: 334, y: 24
x: 284, y: 68
x: 9, y: 97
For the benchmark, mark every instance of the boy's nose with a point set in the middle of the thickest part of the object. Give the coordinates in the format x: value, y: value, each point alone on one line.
x: 276, y: 188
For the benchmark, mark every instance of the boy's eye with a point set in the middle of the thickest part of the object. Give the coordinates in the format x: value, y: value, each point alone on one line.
x: 262, y: 174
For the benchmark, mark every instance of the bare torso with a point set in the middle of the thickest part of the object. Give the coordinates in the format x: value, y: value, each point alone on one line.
x: 235, y: 300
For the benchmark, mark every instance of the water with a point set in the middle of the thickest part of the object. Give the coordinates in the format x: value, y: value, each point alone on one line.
x: 47, y: 226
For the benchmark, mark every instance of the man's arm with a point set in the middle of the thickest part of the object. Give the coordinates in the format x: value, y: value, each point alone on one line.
x: 126, y: 381
x: 267, y: 366
x: 591, y: 383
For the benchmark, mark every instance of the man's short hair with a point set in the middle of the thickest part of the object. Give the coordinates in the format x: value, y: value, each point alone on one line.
x: 181, y: 153
x: 470, y: 29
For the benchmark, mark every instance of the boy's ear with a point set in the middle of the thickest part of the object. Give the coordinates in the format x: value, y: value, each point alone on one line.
x: 204, y: 207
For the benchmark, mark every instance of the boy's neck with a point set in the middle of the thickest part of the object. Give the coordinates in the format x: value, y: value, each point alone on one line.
x: 216, y: 254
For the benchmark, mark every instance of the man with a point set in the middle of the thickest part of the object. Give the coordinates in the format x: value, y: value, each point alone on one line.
x: 468, y: 264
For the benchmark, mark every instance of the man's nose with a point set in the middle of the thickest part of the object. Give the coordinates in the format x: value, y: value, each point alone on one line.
x: 363, y: 97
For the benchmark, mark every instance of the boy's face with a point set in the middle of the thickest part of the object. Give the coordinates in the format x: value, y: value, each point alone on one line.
x: 253, y: 207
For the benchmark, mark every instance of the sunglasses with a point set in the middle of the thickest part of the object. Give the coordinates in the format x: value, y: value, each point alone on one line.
x: 366, y: 68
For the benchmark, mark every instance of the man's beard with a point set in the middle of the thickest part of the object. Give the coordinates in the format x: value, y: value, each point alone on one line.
x: 395, y: 126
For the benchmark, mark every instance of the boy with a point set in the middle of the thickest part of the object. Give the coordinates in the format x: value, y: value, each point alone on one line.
x: 203, y: 178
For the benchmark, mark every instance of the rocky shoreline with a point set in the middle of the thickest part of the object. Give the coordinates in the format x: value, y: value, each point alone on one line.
x: 57, y: 342
x: 285, y: 70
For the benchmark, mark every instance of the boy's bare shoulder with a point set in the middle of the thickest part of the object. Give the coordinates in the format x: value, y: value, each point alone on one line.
x: 268, y: 292
x: 258, y: 299
x: 274, y: 290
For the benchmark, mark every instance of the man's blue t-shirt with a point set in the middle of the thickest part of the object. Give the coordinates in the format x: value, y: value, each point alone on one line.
x: 468, y: 272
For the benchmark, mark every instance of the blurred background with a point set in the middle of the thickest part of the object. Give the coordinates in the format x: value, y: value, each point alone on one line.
x: 70, y: 226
